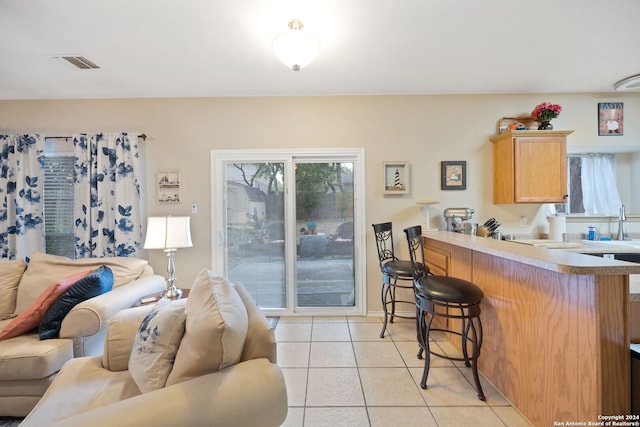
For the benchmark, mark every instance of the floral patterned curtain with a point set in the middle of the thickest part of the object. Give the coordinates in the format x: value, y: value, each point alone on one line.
x: 22, y: 208
x: 107, y: 195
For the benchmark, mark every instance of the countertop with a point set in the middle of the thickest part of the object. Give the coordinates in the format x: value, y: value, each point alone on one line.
x: 568, y: 261
x: 596, y: 247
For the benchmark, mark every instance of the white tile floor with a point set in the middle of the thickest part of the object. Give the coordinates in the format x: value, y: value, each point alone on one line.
x: 339, y: 372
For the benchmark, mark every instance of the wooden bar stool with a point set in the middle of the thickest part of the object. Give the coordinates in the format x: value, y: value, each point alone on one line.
x: 449, y: 298
x: 393, y: 270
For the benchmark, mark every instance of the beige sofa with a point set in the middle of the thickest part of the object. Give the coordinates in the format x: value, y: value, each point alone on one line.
x: 28, y: 364
x: 100, y: 391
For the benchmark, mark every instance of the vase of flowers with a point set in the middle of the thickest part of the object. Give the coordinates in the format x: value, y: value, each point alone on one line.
x: 544, y: 112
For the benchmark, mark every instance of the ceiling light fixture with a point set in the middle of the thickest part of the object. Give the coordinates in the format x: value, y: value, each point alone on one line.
x: 296, y: 48
x: 628, y: 84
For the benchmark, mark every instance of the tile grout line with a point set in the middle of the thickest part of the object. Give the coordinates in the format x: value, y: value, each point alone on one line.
x: 422, y: 395
x: 306, y: 388
x: 364, y: 396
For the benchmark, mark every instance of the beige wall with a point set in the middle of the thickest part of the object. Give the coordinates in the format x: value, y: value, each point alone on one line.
x: 423, y: 130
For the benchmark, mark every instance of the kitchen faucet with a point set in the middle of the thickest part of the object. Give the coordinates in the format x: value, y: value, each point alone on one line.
x: 621, y: 219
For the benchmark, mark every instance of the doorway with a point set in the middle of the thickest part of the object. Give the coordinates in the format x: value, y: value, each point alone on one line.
x: 288, y: 225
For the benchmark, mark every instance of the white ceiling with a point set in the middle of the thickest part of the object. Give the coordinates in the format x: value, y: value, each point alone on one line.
x: 202, y: 48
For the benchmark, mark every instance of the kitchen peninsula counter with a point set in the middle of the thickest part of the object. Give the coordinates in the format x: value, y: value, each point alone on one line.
x: 556, y: 333
x: 569, y: 261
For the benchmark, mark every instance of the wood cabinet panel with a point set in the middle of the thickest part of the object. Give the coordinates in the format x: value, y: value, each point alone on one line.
x: 530, y: 167
x: 437, y: 260
x: 540, y: 169
x: 634, y: 321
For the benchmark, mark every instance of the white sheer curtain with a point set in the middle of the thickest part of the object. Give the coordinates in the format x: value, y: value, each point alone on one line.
x: 21, y: 197
x: 599, y: 191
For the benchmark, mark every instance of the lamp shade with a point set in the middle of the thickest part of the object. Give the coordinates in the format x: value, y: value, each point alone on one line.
x: 295, y: 47
x: 168, y: 232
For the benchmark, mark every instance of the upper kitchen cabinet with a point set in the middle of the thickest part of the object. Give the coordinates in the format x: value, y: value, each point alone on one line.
x: 530, y: 167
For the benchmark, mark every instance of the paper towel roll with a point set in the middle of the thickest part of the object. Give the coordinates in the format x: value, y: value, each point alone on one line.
x: 557, y: 227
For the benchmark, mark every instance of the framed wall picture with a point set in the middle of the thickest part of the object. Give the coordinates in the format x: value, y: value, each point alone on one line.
x: 169, y: 186
x: 396, y: 177
x: 610, y: 118
x: 453, y: 175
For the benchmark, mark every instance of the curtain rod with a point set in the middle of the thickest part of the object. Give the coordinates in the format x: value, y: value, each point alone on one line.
x: 141, y: 136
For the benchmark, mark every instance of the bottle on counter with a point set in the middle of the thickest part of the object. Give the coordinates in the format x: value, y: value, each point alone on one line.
x: 592, y: 233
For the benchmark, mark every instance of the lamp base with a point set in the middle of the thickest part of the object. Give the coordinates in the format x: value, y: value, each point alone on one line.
x: 172, y: 293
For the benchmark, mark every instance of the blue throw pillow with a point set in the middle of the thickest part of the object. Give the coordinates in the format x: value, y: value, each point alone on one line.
x: 95, y: 283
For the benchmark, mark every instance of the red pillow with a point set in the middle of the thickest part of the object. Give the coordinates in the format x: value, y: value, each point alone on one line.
x: 32, y: 316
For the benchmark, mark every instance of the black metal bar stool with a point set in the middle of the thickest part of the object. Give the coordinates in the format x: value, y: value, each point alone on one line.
x: 393, y: 270
x: 450, y: 298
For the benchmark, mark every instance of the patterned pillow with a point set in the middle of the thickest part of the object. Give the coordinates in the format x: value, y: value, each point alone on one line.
x: 95, y: 283
x: 156, y: 344
x: 10, y: 274
x: 32, y: 316
x: 216, y: 328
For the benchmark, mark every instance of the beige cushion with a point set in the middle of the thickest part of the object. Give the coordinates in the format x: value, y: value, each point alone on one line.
x: 261, y: 339
x: 156, y: 345
x: 83, y: 385
x: 121, y: 333
x: 216, y: 329
x: 45, y: 269
x: 27, y: 358
x: 10, y: 274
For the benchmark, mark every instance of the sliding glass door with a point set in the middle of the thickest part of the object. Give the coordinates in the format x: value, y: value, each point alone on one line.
x: 254, y: 229
x: 324, y: 245
x: 286, y: 225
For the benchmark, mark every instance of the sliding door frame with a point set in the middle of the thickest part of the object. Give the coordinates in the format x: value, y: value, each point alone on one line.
x: 219, y: 158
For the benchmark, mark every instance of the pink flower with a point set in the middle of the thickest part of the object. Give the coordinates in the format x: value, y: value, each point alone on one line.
x: 546, y: 111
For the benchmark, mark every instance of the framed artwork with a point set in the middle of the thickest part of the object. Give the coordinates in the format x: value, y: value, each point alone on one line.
x: 396, y: 177
x: 610, y: 118
x: 453, y: 175
x: 169, y: 186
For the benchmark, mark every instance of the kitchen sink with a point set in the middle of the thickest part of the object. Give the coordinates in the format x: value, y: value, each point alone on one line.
x: 621, y: 243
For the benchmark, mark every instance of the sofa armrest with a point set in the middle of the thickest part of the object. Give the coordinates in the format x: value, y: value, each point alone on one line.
x: 90, y: 317
x: 251, y: 393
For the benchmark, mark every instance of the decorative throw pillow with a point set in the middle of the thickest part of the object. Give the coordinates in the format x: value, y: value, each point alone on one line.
x: 95, y: 283
x: 32, y: 316
x: 216, y: 328
x: 156, y: 344
x: 10, y: 274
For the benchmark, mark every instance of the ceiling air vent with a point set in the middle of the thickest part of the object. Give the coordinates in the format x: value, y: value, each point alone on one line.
x: 78, y: 61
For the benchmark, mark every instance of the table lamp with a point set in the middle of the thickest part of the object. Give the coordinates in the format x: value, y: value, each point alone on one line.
x: 169, y: 233
x: 427, y: 204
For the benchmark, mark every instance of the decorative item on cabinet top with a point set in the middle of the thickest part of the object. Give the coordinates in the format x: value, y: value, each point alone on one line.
x: 505, y: 124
